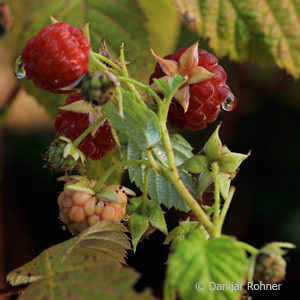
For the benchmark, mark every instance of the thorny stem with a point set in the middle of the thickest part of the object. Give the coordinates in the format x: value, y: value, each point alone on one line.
x: 145, y: 190
x: 97, y: 63
x: 107, y: 61
x: 87, y: 131
x: 215, y: 173
x: 113, y: 168
x: 118, y: 69
x: 143, y: 86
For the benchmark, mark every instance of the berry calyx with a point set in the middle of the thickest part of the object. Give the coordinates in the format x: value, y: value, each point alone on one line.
x: 72, y: 124
x: 201, y: 98
x: 98, y: 88
x: 56, y: 57
x: 80, y: 209
x: 63, y: 156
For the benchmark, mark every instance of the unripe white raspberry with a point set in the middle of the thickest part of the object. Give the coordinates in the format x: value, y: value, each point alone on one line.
x: 78, y: 209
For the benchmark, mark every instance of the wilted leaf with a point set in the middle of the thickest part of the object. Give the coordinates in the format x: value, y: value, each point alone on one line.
x: 84, y: 267
x: 218, y: 260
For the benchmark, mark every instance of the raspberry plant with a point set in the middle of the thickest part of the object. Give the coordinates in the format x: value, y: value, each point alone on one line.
x: 107, y: 109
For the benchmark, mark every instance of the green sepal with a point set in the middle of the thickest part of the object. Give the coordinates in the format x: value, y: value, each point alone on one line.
x: 82, y: 185
x: 170, y: 85
x: 204, y: 181
x: 224, y: 184
x: 71, y: 150
x: 110, y: 195
x: 229, y: 162
x: 213, y: 147
x: 138, y: 224
x: 153, y: 214
x: 156, y: 217
x: 197, y: 164
x: 80, y: 106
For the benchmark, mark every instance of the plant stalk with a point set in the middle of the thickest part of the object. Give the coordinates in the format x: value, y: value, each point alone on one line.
x: 113, y: 168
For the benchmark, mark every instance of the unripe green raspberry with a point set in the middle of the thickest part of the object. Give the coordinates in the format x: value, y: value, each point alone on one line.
x: 269, y: 268
x: 62, y: 156
x: 98, y: 88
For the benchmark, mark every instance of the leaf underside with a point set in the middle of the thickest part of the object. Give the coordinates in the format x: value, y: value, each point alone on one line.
x: 84, y: 267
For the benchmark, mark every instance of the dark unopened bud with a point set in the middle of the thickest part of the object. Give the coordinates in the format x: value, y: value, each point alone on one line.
x: 98, y: 88
x: 269, y: 268
x: 63, y: 156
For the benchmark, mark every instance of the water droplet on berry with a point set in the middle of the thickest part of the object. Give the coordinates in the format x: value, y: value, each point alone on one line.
x: 229, y: 104
x: 19, y: 69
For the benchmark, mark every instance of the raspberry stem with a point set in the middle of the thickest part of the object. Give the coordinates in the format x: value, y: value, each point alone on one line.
x: 97, y: 63
x: 143, y: 86
x: 218, y: 226
x: 252, y: 250
x: 87, y: 131
x: 145, y: 191
x: 113, y: 168
x: 215, y: 173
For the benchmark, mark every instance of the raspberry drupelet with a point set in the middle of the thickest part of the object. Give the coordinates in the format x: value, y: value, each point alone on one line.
x: 199, y: 101
x: 73, y: 124
x: 56, y: 57
x: 78, y: 209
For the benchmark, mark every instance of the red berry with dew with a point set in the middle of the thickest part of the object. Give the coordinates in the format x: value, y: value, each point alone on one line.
x: 72, y: 124
x: 201, y: 98
x: 56, y: 57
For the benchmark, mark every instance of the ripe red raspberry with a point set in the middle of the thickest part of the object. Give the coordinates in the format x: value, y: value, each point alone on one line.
x: 56, y: 57
x: 78, y: 209
x: 198, y: 101
x: 73, y: 124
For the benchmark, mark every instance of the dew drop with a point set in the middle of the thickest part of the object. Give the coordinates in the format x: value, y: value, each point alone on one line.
x: 19, y: 69
x: 229, y: 104
x: 64, y: 227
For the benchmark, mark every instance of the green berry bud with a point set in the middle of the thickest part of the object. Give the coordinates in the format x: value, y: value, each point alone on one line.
x: 269, y: 268
x: 62, y: 156
x: 98, y: 88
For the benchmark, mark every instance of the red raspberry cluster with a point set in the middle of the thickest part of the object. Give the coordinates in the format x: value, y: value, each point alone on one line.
x: 73, y: 124
x: 56, y: 57
x: 205, y: 97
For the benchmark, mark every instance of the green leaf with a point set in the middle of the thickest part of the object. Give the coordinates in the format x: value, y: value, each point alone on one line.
x: 231, y: 161
x: 197, y: 164
x: 181, y: 148
x: 170, y: 85
x: 218, y: 260
x: 156, y: 217
x: 159, y: 188
x: 138, y: 224
x: 139, y: 123
x: 179, y: 233
x: 265, y: 32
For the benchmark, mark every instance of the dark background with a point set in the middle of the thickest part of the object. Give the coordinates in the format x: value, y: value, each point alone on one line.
x: 265, y: 207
